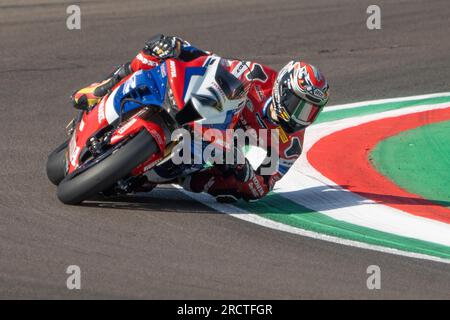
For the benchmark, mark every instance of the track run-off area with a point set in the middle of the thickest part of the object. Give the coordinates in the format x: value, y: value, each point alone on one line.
x: 361, y: 183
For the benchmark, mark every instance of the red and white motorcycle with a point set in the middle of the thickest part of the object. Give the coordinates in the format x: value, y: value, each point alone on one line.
x: 128, y: 134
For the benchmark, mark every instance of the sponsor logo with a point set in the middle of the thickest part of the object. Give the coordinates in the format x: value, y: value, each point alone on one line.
x: 101, y: 112
x: 74, y: 150
x: 219, y: 89
x: 318, y: 93
x: 146, y: 61
x: 152, y: 164
x: 74, y: 156
x: 253, y: 191
x: 239, y: 69
x: 157, y: 137
x: 163, y: 71
x: 259, y: 93
x: 126, y: 126
x: 258, y: 186
x: 173, y: 69
x: 283, y: 136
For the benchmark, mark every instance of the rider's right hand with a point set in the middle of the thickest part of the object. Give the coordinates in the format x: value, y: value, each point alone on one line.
x: 164, y: 47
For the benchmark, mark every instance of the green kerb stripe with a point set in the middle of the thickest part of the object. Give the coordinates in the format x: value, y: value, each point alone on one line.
x: 280, y: 209
x: 376, y: 108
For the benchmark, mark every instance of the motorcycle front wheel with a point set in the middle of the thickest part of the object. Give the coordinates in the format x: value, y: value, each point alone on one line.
x: 56, y: 164
x: 79, y: 186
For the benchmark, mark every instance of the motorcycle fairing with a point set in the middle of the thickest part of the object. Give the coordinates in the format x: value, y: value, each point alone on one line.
x: 198, y: 82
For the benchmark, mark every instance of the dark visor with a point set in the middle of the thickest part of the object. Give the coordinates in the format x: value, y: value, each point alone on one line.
x: 290, y: 101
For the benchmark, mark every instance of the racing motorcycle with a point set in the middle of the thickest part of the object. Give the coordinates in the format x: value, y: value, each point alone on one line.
x: 128, y: 135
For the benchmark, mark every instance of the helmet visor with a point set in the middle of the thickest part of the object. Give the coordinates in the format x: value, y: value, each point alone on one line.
x: 301, y: 111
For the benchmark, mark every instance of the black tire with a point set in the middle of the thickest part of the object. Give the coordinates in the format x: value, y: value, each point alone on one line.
x: 56, y: 164
x: 76, y: 188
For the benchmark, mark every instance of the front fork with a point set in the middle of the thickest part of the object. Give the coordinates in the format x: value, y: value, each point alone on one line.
x: 160, y: 125
x: 70, y: 127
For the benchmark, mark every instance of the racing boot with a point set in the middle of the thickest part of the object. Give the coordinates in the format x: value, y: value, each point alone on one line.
x: 212, y: 181
x: 84, y: 99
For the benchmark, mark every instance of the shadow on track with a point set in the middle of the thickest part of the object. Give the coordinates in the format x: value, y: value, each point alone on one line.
x: 161, y: 200
x: 169, y: 200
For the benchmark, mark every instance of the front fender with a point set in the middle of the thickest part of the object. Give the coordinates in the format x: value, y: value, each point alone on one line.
x: 136, y: 124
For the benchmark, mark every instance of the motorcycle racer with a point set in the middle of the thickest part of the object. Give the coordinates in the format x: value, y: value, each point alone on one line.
x: 287, y: 101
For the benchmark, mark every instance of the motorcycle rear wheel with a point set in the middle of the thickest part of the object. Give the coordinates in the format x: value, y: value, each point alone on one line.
x: 77, y: 187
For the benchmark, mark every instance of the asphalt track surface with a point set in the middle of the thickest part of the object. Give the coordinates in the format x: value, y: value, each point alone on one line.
x: 169, y: 246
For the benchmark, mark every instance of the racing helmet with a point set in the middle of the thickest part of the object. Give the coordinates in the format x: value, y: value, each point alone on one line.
x: 299, y: 94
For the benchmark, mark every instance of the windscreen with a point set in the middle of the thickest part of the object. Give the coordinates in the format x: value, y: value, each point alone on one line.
x: 231, y: 86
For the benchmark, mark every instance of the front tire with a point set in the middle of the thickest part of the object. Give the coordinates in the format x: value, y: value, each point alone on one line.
x: 56, y: 164
x: 76, y: 188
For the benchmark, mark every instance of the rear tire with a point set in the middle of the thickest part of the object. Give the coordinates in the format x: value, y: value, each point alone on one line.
x: 56, y: 164
x: 103, y: 175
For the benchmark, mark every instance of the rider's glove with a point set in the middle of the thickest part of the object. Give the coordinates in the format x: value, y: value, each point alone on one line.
x: 164, y: 47
x: 225, y: 186
x: 242, y: 172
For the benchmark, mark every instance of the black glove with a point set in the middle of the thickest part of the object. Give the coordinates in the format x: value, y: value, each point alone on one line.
x: 164, y: 47
x: 243, y: 172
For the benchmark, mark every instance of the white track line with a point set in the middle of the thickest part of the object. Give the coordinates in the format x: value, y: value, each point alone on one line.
x: 256, y: 219
x: 382, y: 101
